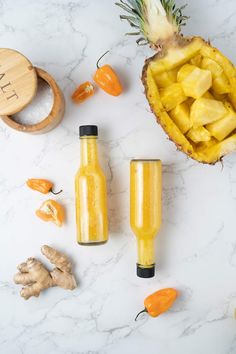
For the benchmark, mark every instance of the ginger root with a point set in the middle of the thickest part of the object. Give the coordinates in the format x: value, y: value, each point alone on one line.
x: 35, y: 277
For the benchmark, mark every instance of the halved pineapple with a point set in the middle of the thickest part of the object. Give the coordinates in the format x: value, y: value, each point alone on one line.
x: 188, y: 83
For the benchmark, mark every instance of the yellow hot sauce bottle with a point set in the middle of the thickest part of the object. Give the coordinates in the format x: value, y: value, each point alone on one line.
x: 90, y: 190
x: 145, y: 211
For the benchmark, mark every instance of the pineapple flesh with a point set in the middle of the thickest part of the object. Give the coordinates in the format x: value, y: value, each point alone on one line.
x: 181, y: 117
x: 197, y: 83
x: 223, y: 127
x: 198, y: 135
x: 190, y: 86
x: 166, y: 79
x: 205, y: 111
x: 172, y: 96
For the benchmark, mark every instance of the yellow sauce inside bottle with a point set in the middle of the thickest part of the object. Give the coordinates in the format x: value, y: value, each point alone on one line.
x: 91, y: 196
x: 145, y: 207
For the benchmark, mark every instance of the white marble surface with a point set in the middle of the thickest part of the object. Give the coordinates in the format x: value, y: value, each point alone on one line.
x: 197, y: 244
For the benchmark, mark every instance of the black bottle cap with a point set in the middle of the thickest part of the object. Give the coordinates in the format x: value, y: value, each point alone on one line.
x: 145, y: 272
x: 88, y: 130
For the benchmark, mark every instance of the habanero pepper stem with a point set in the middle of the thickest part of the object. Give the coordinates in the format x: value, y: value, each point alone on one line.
x: 56, y: 193
x: 140, y: 314
x: 97, y: 64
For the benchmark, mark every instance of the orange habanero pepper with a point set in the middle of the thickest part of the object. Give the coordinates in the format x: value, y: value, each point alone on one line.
x: 41, y: 185
x: 83, y: 92
x: 107, y: 79
x: 51, y: 211
x: 159, y: 302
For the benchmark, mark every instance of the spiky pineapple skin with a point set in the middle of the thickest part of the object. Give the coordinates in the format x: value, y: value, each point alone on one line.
x: 215, y: 153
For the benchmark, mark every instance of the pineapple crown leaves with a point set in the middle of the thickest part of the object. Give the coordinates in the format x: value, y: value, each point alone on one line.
x: 142, y: 15
x: 176, y: 13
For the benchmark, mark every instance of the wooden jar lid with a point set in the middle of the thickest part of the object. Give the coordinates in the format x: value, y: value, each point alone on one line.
x: 18, y: 81
x: 47, y: 123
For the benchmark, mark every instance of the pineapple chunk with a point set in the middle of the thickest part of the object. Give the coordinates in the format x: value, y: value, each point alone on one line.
x: 211, y: 65
x: 220, y: 149
x: 204, y: 111
x: 199, y: 134
x: 172, y: 96
x: 221, y: 85
x: 223, y: 127
x: 197, y: 83
x: 186, y: 70
x: 181, y: 117
x: 166, y: 79
x: 197, y: 60
x: 228, y: 145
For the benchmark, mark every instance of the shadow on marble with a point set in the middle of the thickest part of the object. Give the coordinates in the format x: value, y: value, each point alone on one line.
x: 122, y: 74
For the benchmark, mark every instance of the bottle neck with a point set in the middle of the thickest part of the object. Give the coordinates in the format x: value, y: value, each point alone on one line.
x: 146, y: 253
x: 88, y: 151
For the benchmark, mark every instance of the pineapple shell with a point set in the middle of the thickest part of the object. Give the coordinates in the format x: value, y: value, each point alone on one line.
x: 164, y: 64
x: 190, y: 86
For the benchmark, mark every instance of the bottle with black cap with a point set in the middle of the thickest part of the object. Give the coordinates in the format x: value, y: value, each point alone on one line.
x: 90, y: 190
x: 145, y: 211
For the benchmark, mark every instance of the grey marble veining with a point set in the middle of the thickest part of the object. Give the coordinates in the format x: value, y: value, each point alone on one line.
x: 196, y: 248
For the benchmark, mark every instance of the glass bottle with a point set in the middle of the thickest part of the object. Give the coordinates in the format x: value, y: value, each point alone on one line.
x: 145, y: 211
x: 90, y: 190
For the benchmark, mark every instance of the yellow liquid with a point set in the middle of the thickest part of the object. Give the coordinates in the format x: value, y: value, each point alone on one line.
x: 91, y: 196
x: 145, y: 206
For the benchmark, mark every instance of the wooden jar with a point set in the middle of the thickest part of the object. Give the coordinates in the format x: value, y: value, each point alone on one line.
x: 18, y: 87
